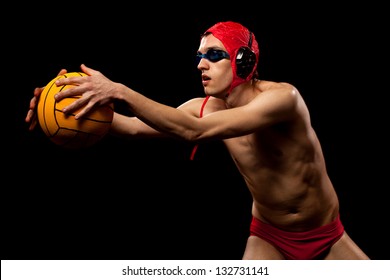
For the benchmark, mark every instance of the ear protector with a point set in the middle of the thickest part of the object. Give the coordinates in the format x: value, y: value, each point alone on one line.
x: 245, y: 59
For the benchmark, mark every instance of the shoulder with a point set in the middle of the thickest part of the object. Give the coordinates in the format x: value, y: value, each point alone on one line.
x: 277, y: 90
x: 270, y: 85
x: 276, y: 97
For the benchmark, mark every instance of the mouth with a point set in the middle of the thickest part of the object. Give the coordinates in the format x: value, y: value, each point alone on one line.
x: 205, y: 79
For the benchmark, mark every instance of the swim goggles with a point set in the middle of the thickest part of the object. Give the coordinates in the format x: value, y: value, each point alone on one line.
x: 212, y: 55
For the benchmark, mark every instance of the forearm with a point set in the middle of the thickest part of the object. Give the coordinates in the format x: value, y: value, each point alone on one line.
x: 163, y: 118
x: 131, y: 127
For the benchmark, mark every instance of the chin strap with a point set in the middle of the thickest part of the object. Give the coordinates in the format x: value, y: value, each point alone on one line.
x: 200, y: 115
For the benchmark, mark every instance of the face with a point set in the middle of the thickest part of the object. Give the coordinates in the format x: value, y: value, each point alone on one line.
x: 215, y: 65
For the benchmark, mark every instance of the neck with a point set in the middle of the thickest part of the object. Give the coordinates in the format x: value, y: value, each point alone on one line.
x: 240, y: 95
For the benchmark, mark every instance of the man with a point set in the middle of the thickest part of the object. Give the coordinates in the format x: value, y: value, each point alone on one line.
x: 266, y: 129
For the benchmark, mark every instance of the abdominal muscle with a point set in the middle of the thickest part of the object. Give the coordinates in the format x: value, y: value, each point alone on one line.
x: 289, y: 203
x: 292, y: 193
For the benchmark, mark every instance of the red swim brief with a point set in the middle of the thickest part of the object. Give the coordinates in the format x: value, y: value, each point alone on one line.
x: 307, y: 245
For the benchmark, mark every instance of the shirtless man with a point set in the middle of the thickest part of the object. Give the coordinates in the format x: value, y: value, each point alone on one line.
x: 264, y: 125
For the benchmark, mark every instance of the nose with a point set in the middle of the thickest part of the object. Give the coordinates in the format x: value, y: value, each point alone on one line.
x: 202, y: 64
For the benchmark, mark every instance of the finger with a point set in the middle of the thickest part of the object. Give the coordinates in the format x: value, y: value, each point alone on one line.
x: 38, y: 91
x: 62, y: 72
x: 75, y: 105
x: 88, y: 70
x: 68, y: 92
x: 73, y: 80
x: 83, y: 111
x: 32, y: 106
x: 33, y: 120
x: 33, y: 103
x: 30, y: 114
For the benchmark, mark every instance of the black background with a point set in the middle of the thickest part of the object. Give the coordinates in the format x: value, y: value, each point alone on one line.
x: 144, y: 199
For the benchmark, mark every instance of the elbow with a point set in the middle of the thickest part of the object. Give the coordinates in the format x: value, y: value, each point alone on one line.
x: 191, y: 135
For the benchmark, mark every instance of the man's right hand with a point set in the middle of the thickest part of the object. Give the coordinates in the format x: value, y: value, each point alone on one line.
x: 31, y: 116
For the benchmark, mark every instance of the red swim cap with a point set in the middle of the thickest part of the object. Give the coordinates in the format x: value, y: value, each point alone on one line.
x: 234, y: 36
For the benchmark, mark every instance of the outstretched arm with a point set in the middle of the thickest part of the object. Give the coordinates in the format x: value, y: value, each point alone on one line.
x: 274, y: 104
x: 151, y: 118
